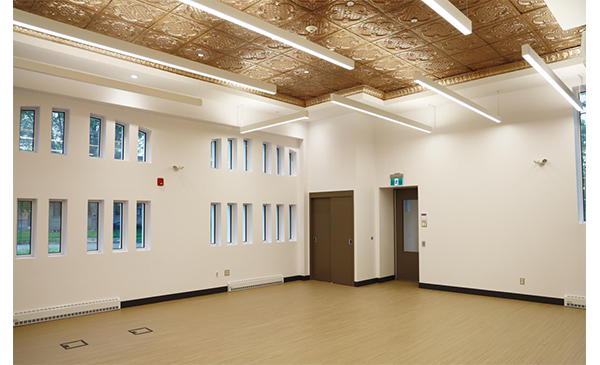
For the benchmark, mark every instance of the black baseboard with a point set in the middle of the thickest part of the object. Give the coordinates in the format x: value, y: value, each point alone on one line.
x: 168, y: 297
x: 296, y: 278
x: 496, y: 294
x: 374, y: 281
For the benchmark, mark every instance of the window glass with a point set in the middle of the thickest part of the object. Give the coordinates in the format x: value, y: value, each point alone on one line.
x: 140, y: 226
x: 214, y: 221
x: 117, y: 226
x: 95, y: 135
x: 583, y: 150
x: 230, y: 154
x: 119, y: 141
x: 57, y: 139
x: 246, y: 155
x: 27, y: 130
x: 142, y: 145
x: 24, y: 222
x: 264, y: 159
x: 93, y: 225
x: 55, y: 227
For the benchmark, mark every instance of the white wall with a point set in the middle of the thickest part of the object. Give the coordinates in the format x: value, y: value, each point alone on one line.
x: 493, y: 215
x: 180, y: 257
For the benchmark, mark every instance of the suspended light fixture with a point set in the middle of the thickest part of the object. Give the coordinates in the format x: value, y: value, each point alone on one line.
x: 275, y: 122
x: 446, y: 10
x: 447, y: 93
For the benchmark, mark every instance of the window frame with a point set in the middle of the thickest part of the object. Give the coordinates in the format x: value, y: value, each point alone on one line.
x: 215, y: 224
x: 215, y: 153
x: 231, y: 226
x: 124, y: 144
x: 123, y: 227
x: 101, y: 135
x: 32, y: 230
x: 99, y: 227
x: 293, y: 162
x: 581, y: 181
x: 280, y: 222
x: 247, y: 223
x: 266, y: 223
x: 63, y: 225
x: 65, y: 129
x: 232, y: 154
x: 147, y: 144
x: 146, y: 225
x: 247, y: 146
x: 266, y: 157
x: 293, y: 222
x: 35, y: 131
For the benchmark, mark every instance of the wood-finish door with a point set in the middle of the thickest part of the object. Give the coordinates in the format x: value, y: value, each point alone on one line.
x: 342, y: 240
x: 332, y: 238
x: 320, y: 239
x: 407, y: 254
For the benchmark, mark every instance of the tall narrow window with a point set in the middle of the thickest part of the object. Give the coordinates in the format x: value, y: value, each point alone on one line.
x: 55, y: 225
x: 57, y: 138
x: 279, y: 223
x: 140, y: 226
x: 24, y: 227
x: 215, y: 153
x: 278, y: 160
x: 247, y: 223
x: 119, y: 141
x: 266, y: 157
x: 215, y: 224
x: 247, y: 154
x: 293, y: 165
x: 93, y: 226
x: 266, y: 221
x: 27, y: 131
x: 293, y: 223
x: 580, y: 124
x: 95, y: 136
x: 142, y: 145
x: 231, y: 223
x: 231, y: 153
x: 117, y: 235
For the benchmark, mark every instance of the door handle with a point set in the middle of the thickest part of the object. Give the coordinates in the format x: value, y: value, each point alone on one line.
x: 350, y: 242
x: 314, y: 239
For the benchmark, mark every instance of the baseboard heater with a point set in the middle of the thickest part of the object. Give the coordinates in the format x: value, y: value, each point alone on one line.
x: 254, y: 283
x: 65, y: 311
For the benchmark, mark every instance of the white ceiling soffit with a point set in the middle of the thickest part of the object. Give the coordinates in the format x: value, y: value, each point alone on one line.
x: 62, y: 30
x: 568, y: 13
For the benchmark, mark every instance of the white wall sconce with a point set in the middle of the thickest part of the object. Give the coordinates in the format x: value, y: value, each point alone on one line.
x: 177, y: 168
x: 541, y: 162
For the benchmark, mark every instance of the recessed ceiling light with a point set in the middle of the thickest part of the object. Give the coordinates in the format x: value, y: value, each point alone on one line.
x: 414, y: 20
x: 350, y: 3
x: 134, y: 76
x: 311, y: 29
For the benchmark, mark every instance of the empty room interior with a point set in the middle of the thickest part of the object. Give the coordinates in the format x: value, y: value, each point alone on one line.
x: 299, y: 182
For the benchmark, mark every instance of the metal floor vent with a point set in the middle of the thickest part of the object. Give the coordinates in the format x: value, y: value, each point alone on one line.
x: 575, y: 301
x: 65, y: 311
x: 254, y: 283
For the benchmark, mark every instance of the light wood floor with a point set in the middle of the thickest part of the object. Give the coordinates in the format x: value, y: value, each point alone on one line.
x: 317, y: 323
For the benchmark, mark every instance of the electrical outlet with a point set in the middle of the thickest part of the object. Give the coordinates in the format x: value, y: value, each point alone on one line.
x: 522, y: 282
x: 217, y: 274
x: 226, y: 272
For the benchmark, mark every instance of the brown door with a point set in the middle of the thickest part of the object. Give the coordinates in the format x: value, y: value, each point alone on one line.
x: 332, y: 237
x: 407, y: 228
x: 320, y: 239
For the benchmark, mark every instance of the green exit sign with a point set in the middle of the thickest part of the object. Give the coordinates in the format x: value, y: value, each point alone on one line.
x: 396, y: 179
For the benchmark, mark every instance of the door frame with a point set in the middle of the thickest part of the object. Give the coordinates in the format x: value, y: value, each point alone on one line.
x: 396, y: 248
x: 329, y: 194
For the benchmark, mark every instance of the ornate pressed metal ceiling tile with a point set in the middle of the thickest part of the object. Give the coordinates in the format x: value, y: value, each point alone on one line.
x: 453, y: 72
x: 476, y: 55
x: 115, y: 28
x: 166, y: 5
x: 425, y: 53
x: 134, y: 12
x: 342, y: 42
x: 192, y: 13
x: 436, y: 30
x: 158, y: 41
x: 491, y: 12
x: 301, y: 26
x: 387, y: 64
x: 503, y: 30
x: 438, y: 65
x: 277, y: 12
x: 94, y: 5
x: 346, y: 13
x: 313, y: 4
x: 281, y: 63
x: 460, y: 43
x: 377, y: 27
x: 259, y: 73
x: 179, y: 28
x: 367, y: 53
x: 240, y: 4
x: 219, y: 41
x: 237, y: 31
x: 63, y: 12
x: 229, y: 63
x: 540, y: 18
x: 387, y: 5
x: 198, y: 53
x: 466, y: 4
x: 413, y: 14
x: 401, y: 42
x: 527, y: 5
x: 513, y: 45
x: 489, y: 64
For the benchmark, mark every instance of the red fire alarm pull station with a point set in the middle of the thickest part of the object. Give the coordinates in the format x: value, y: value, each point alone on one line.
x: 160, y: 181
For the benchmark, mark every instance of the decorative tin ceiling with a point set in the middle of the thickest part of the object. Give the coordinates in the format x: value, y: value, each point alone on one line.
x: 389, y: 40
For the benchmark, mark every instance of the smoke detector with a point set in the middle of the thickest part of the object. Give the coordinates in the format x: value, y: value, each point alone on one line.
x: 311, y: 29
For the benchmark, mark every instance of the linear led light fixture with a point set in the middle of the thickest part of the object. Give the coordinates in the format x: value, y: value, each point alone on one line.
x: 447, y: 93
x: 275, y: 122
x: 379, y: 113
x: 71, y: 33
x: 254, y: 24
x: 446, y: 10
x: 540, y: 66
